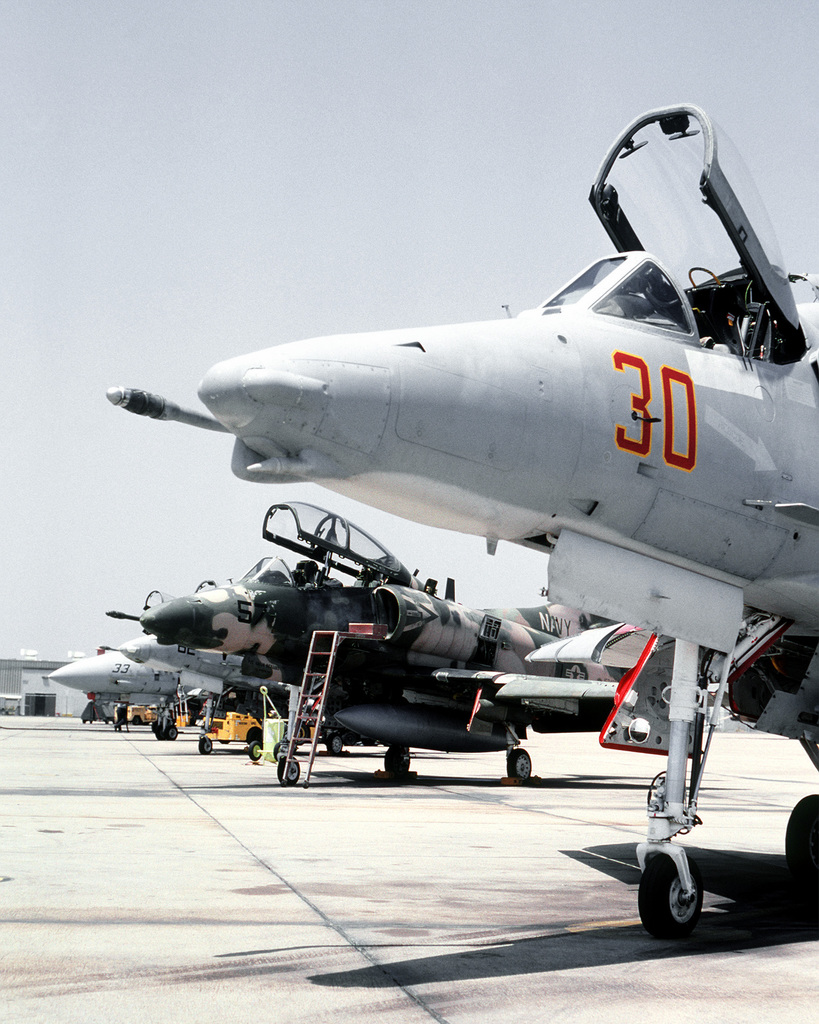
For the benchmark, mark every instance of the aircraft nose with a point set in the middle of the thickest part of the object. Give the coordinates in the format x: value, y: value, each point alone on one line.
x: 179, y: 622
x: 136, y: 651
x: 74, y: 674
x: 237, y: 390
x: 222, y: 391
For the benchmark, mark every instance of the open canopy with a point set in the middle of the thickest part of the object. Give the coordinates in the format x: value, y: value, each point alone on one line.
x: 663, y: 188
x: 317, y: 533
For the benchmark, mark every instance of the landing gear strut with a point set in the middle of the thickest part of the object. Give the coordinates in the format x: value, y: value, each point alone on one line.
x: 670, y: 896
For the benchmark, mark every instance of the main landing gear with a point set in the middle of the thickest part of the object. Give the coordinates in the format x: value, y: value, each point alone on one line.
x: 397, y: 760
x: 518, y: 764
x: 802, y: 842
x: 802, y: 835
x: 165, y: 727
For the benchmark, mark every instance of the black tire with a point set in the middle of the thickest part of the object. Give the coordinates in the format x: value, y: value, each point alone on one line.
x: 802, y: 841
x: 518, y: 764
x: 171, y: 732
x: 334, y: 744
x: 136, y: 720
x: 205, y: 744
x: 254, y: 745
x: 662, y: 912
x: 160, y: 732
x: 293, y: 772
x: 277, y: 750
x: 397, y: 760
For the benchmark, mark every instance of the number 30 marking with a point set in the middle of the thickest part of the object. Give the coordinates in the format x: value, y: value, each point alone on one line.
x: 671, y: 382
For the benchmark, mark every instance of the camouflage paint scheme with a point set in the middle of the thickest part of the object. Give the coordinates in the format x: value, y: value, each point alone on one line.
x: 270, y: 615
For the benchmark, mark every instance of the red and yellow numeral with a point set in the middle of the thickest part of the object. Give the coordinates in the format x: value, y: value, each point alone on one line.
x: 672, y: 381
x: 639, y: 406
x: 687, y: 459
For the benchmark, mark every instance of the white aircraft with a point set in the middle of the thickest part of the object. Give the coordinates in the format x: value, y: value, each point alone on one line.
x: 652, y: 426
x: 142, y: 668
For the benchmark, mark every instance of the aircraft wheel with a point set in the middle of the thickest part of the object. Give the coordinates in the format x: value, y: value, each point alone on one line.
x: 171, y: 732
x: 518, y: 764
x: 397, y: 760
x: 277, y: 749
x: 663, y: 910
x: 293, y: 772
x: 205, y: 744
x: 159, y: 731
x: 802, y: 841
x: 254, y: 744
x: 335, y: 744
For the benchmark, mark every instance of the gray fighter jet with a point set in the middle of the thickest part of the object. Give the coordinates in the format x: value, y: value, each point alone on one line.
x: 110, y: 677
x: 159, y: 673
x: 652, y: 426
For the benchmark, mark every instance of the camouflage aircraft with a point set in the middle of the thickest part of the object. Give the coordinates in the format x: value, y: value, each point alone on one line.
x: 652, y: 426
x: 444, y: 677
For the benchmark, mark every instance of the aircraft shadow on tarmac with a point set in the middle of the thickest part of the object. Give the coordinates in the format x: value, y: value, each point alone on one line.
x: 758, y: 906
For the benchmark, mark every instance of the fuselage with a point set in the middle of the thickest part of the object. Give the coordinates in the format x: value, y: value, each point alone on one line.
x: 113, y: 673
x: 421, y: 631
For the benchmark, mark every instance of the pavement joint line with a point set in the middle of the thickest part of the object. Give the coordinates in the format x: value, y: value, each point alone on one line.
x: 328, y: 922
x: 550, y: 812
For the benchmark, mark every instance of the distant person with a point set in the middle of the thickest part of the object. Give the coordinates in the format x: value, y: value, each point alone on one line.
x: 122, y: 718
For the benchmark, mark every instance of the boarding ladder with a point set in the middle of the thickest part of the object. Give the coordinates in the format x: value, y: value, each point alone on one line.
x: 305, y: 727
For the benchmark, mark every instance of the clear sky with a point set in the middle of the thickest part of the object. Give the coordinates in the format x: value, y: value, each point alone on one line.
x: 183, y: 182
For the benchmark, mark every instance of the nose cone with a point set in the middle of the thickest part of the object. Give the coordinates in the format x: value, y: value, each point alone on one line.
x: 329, y: 396
x: 238, y: 390
x: 138, y: 650
x: 182, y: 621
x: 84, y: 674
x: 222, y: 391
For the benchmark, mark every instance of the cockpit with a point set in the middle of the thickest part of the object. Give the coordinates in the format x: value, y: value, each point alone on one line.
x: 327, y: 538
x: 632, y: 288
x: 663, y: 188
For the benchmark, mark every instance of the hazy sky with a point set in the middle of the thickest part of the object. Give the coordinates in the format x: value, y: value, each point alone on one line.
x: 183, y: 182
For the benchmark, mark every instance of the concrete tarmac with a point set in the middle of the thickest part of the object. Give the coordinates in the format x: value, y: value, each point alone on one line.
x: 144, y: 882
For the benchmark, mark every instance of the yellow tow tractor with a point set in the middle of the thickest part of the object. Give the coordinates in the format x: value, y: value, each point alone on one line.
x: 234, y: 727
x: 140, y: 714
